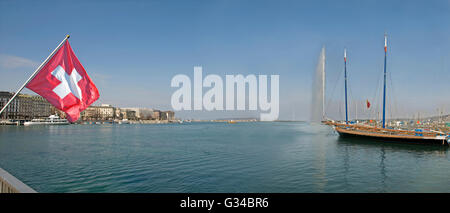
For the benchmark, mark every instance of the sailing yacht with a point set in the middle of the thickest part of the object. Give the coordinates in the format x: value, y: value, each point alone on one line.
x: 385, y: 134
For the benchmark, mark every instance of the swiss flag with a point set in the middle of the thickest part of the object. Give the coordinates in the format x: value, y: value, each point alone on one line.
x: 65, y: 84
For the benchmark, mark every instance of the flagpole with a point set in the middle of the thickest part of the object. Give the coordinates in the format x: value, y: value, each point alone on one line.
x: 35, y: 72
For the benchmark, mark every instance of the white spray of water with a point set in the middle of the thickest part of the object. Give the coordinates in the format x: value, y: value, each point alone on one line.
x: 318, y: 90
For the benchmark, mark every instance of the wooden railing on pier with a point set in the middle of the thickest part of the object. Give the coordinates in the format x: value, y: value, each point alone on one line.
x: 10, y: 184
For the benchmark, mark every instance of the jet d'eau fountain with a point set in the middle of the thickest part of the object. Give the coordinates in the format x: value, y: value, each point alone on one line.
x: 318, y: 90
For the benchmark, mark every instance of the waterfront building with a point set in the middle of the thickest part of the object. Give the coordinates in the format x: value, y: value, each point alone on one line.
x: 125, y: 113
x: 24, y: 107
x: 34, y: 106
x: 106, y: 112
x: 167, y: 115
x: 128, y: 114
x: 13, y: 108
x: 89, y: 114
x: 156, y: 114
x: 103, y: 112
x: 142, y: 113
x: 118, y: 113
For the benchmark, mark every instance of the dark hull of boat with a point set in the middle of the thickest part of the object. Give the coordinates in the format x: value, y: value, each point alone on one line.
x: 395, y: 140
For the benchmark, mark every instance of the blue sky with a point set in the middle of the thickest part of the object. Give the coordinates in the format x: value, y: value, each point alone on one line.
x: 132, y: 49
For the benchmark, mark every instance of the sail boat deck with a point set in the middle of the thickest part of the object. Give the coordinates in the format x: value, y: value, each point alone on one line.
x: 390, y: 135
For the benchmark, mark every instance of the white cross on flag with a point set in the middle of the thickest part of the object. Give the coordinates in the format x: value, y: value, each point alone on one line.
x: 65, y: 84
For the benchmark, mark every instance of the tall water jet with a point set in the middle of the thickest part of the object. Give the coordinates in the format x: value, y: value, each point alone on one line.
x: 318, y: 90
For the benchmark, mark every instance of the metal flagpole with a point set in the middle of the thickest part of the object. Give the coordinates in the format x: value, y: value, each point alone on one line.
x: 35, y: 72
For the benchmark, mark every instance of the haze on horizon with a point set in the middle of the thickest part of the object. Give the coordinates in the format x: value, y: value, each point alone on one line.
x: 131, y: 50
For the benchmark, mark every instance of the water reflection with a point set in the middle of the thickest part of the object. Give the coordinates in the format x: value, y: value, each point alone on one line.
x: 401, y: 147
x: 320, y: 161
x: 346, y: 166
x: 390, y: 155
x: 383, y: 169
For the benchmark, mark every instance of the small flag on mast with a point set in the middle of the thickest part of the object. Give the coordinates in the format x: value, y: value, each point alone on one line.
x: 345, y: 55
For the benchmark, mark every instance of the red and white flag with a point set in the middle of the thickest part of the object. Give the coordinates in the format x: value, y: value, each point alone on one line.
x: 65, y: 84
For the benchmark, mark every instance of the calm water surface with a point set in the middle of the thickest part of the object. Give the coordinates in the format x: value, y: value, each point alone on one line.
x: 216, y: 157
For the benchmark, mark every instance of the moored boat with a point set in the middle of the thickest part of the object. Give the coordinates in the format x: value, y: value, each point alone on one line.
x: 51, y: 120
x: 124, y: 121
x: 384, y: 134
x: 391, y: 135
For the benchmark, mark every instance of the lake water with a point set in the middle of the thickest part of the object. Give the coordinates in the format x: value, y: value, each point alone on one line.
x: 216, y: 157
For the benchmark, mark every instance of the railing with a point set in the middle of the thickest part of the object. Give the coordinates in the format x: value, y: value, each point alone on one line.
x: 10, y: 184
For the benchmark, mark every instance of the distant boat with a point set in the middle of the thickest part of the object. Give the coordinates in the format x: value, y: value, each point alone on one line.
x: 231, y: 122
x: 385, y: 134
x: 9, y: 122
x: 51, y: 120
x: 124, y: 121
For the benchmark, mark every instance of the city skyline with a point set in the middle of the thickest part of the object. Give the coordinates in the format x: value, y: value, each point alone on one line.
x: 26, y: 107
x: 132, y: 50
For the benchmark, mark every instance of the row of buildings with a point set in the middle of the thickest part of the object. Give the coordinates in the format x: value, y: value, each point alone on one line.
x: 108, y: 112
x: 27, y: 107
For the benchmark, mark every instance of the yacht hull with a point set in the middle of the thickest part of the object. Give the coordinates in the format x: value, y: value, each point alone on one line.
x: 388, y: 138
